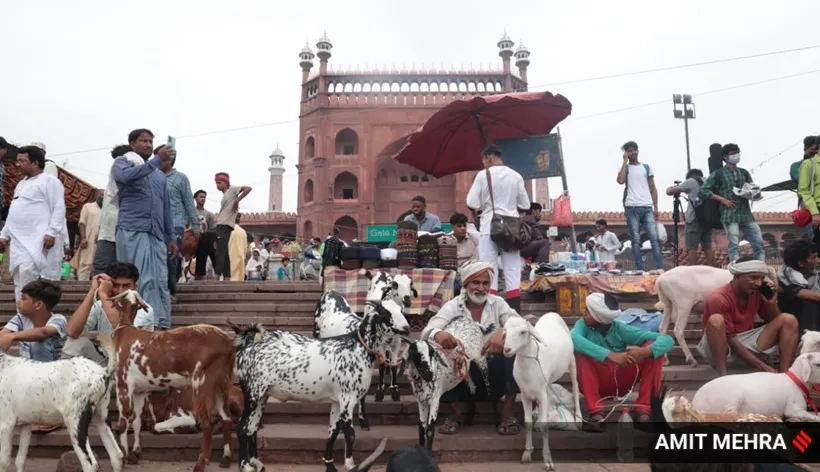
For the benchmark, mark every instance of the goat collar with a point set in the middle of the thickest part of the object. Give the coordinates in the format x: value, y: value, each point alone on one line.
x: 803, y: 389
x: 379, y: 356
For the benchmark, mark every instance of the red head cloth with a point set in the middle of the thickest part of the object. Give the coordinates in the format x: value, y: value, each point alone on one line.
x: 223, y: 178
x: 471, y: 270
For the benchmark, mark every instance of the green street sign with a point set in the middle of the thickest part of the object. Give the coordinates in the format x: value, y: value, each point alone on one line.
x: 387, y: 233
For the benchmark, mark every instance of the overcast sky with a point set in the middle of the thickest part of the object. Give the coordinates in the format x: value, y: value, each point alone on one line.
x: 80, y: 75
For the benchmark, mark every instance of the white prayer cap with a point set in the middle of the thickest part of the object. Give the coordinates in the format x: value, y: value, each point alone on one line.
x: 39, y: 145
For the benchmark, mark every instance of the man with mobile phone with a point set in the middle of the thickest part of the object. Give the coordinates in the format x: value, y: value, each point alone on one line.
x: 729, y: 334
x: 640, y: 204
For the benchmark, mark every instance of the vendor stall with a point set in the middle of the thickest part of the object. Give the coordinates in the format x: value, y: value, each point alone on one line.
x: 570, y: 290
x: 434, y: 286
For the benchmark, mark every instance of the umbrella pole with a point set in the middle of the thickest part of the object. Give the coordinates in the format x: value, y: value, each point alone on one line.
x: 573, y: 241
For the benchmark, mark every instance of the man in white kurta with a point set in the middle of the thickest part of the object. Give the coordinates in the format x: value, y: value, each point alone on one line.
x: 34, y: 226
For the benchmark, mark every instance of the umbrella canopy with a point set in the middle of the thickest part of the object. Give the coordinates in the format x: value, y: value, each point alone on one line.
x: 451, y: 141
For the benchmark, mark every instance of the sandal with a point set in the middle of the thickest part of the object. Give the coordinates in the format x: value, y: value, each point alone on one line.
x: 641, y: 417
x: 509, y: 426
x: 595, y: 424
x: 451, y: 425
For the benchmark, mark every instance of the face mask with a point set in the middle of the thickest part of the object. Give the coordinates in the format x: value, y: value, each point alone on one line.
x: 733, y: 158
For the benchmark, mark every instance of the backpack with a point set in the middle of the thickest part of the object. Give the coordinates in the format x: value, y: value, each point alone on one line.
x: 708, y: 212
x: 626, y: 179
x: 794, y: 170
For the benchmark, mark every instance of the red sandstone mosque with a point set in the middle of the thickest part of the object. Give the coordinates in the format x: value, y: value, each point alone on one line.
x: 351, y: 124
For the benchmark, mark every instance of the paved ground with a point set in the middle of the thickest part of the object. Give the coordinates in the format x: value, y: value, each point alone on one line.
x: 50, y: 465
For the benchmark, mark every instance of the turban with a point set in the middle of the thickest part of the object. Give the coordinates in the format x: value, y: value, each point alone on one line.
x: 222, y: 178
x: 753, y: 266
x: 471, y: 270
x: 604, y: 308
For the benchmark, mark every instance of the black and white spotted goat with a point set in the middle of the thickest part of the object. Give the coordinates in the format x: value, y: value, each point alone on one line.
x: 434, y: 371
x: 400, y: 289
x: 291, y: 367
x: 336, y: 318
x: 333, y: 317
x: 73, y: 392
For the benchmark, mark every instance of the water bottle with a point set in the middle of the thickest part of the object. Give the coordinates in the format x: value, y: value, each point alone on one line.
x: 626, y: 437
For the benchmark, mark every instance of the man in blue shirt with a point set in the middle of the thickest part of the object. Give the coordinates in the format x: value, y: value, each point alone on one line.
x: 183, y: 214
x: 609, y: 361
x: 145, y: 228
x: 426, y: 221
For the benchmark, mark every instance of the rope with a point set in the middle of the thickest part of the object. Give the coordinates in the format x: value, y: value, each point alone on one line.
x: 458, y: 356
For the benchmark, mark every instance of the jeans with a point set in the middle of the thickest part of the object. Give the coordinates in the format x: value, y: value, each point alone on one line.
x: 175, y: 263
x: 223, y: 259
x: 751, y: 231
x: 46, y: 350
x: 457, y: 285
x: 637, y: 217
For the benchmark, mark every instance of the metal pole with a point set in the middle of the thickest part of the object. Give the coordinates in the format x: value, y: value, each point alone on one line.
x: 686, y: 130
x: 573, y: 242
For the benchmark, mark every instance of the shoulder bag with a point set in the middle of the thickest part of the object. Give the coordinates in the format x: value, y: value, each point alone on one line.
x: 507, y: 232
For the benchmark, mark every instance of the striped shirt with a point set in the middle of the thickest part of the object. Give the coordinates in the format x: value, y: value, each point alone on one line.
x: 20, y: 323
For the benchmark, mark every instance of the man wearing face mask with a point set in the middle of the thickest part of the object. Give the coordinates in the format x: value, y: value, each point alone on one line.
x: 735, y: 211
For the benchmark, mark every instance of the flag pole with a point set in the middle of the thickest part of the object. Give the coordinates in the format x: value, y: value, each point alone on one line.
x: 573, y: 240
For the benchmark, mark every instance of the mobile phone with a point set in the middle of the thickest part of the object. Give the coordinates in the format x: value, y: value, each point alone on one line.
x: 172, y: 141
x: 766, y: 291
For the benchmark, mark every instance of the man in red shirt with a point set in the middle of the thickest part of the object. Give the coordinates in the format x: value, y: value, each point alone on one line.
x: 729, y: 334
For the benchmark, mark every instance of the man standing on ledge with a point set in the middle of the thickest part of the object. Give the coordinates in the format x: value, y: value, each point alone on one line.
x: 225, y: 222
x: 640, y: 204
x: 425, y: 220
x: 145, y: 228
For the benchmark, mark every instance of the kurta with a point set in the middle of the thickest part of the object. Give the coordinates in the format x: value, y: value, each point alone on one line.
x: 90, y: 218
x: 237, y: 246
x: 37, y: 209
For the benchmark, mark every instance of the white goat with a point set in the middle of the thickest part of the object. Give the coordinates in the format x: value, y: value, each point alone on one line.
x: 73, y: 392
x: 764, y: 393
x: 334, y: 317
x: 433, y: 371
x: 400, y: 289
x: 683, y: 290
x: 809, y: 342
x: 292, y: 367
x: 543, y: 354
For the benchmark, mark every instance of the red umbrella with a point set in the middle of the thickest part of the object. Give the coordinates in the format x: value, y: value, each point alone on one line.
x: 451, y: 141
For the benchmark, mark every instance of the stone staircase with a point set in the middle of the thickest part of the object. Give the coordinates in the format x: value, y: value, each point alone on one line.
x: 296, y: 432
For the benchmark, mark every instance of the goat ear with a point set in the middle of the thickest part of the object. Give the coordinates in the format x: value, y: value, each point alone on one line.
x: 235, y: 328
x: 802, y: 367
x: 366, y: 273
x: 415, y: 293
x: 385, y: 291
x: 534, y: 332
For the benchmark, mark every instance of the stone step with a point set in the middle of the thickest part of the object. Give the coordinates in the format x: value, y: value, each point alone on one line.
x: 73, y: 299
x: 305, y: 444
x: 207, y: 286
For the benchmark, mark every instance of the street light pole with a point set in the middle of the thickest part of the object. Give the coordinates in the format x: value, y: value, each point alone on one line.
x: 684, y: 109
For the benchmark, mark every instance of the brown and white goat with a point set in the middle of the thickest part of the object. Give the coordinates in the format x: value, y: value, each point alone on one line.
x: 198, y: 356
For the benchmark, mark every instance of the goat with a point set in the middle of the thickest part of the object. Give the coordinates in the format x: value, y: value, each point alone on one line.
x: 74, y: 392
x: 198, y: 356
x: 677, y: 409
x: 292, y: 367
x: 543, y: 353
x: 765, y: 393
x: 172, y: 411
x: 434, y: 371
x: 400, y: 289
x: 663, y: 419
x: 335, y: 318
x: 683, y: 290
x: 809, y: 342
x: 413, y: 458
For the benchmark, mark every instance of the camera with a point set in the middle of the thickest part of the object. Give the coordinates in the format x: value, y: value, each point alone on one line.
x: 677, y: 182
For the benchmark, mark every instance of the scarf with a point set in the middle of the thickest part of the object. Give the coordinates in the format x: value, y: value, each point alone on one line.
x: 748, y: 267
x: 789, y: 276
x: 111, y: 189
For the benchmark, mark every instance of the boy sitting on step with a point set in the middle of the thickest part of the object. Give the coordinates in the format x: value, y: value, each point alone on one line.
x: 38, y: 332
x: 97, y: 312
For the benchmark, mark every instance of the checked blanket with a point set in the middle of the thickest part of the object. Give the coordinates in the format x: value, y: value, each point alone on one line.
x: 434, y: 286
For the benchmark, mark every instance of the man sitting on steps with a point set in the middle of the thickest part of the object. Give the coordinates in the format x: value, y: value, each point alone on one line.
x: 729, y: 333
x: 97, y: 312
x: 477, y: 303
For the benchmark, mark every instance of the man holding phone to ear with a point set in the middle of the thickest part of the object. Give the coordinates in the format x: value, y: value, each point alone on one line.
x: 729, y: 334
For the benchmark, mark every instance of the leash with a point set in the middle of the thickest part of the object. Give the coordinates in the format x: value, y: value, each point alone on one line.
x: 379, y: 356
x: 577, y: 414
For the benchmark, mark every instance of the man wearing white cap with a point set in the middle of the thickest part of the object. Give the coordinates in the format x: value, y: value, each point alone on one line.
x: 729, y: 333
x: 477, y: 303
x: 607, y: 366
x: 51, y: 169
